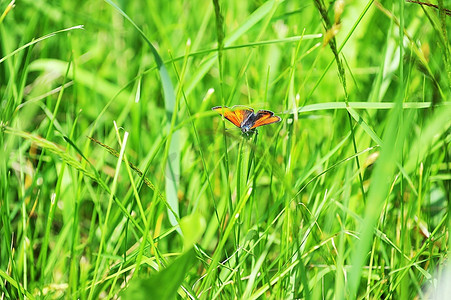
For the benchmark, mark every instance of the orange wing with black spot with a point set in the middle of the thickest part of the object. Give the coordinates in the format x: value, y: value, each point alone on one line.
x: 236, y: 116
x: 265, y: 117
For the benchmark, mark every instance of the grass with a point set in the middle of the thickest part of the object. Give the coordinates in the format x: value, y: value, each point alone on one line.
x: 347, y: 197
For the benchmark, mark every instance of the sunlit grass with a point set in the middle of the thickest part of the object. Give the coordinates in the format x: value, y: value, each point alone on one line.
x: 347, y: 197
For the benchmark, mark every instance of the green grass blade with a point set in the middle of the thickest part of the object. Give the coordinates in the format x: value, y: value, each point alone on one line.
x: 173, y: 162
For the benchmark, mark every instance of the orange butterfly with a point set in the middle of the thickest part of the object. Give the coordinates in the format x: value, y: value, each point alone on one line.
x: 245, y: 118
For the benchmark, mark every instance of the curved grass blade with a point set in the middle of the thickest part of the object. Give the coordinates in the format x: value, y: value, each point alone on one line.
x: 39, y: 40
x: 173, y: 164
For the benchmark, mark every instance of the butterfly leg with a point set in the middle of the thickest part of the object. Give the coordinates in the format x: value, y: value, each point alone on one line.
x: 249, y: 134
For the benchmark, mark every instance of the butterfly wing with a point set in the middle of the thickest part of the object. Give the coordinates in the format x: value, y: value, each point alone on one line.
x: 236, y: 116
x: 265, y: 117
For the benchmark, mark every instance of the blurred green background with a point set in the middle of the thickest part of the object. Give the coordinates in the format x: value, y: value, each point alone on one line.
x: 347, y: 197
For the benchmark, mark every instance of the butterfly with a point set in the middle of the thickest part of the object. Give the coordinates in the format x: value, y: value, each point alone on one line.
x: 245, y: 118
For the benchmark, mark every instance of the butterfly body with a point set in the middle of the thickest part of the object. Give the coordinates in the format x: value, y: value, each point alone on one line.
x: 245, y: 118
